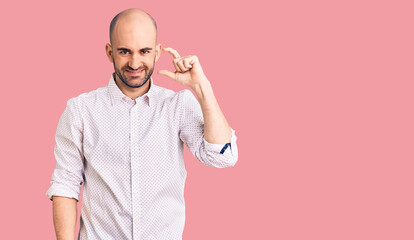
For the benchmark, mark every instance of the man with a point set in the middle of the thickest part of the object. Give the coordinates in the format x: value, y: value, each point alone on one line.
x: 124, y: 142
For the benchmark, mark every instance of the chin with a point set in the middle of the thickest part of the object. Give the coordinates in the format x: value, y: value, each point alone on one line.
x: 137, y: 84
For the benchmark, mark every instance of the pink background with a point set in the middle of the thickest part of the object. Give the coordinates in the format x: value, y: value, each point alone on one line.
x: 320, y: 94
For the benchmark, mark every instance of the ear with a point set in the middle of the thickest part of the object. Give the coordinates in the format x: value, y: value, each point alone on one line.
x: 158, y: 49
x: 109, y: 53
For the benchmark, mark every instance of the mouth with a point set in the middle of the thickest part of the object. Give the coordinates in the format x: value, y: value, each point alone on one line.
x: 135, y: 73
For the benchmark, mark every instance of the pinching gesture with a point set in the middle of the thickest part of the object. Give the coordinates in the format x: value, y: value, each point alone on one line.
x: 188, y: 70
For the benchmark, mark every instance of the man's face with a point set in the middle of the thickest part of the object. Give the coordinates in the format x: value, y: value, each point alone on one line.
x: 133, y: 53
x: 131, y: 74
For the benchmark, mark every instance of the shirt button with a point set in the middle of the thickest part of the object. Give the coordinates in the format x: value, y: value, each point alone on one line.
x: 133, y: 163
x: 133, y: 138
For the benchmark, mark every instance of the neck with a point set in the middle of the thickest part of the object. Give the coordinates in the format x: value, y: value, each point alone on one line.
x: 133, y: 93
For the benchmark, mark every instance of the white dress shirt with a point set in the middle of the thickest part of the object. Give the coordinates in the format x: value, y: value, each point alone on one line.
x: 129, y: 156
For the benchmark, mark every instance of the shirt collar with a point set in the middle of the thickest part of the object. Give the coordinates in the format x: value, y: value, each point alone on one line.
x: 118, y: 96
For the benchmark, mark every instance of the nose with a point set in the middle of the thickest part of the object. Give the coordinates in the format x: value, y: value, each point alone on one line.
x: 134, y: 61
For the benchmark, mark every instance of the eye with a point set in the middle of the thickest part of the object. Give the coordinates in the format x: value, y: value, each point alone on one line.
x: 123, y: 52
x: 144, y: 51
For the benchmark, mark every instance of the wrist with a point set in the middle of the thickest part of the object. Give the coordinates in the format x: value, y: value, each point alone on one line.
x: 202, y: 88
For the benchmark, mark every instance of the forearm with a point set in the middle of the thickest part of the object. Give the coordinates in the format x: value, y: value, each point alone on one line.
x: 64, y: 217
x: 216, y: 127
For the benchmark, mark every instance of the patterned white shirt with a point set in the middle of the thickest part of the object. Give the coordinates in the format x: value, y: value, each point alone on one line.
x: 129, y: 156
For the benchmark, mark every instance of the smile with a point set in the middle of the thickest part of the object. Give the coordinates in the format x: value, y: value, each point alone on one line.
x: 135, y: 73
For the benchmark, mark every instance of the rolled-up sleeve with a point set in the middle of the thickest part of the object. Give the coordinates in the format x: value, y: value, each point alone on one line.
x: 192, y: 134
x: 67, y: 177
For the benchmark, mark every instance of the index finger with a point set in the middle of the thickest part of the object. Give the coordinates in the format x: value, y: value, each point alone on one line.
x: 172, y: 51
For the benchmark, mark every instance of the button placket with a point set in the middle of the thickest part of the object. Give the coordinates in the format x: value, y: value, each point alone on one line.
x: 135, y: 170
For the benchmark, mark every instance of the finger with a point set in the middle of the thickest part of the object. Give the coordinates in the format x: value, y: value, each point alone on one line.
x: 167, y: 74
x: 193, y: 60
x: 180, y: 64
x: 175, y: 63
x: 172, y: 52
x: 187, y: 63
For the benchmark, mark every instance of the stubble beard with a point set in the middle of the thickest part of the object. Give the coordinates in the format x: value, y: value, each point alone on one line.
x: 146, y: 78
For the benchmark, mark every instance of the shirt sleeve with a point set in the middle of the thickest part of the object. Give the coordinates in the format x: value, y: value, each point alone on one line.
x: 192, y: 134
x: 67, y: 177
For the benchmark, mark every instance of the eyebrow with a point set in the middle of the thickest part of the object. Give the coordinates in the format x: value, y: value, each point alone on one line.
x: 123, y: 49
x: 129, y: 50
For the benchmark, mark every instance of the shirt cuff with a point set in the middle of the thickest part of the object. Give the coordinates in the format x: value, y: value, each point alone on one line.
x: 225, y: 147
x: 61, y: 190
x: 219, y: 148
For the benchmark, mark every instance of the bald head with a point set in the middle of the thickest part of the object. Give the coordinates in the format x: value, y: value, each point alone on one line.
x: 131, y: 16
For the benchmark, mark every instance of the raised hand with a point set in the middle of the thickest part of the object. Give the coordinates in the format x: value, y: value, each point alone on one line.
x: 188, y: 70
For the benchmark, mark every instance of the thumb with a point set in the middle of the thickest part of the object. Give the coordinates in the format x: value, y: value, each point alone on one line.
x: 167, y: 73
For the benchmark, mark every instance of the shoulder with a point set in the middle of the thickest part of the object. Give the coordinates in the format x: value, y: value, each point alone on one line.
x: 165, y: 95
x: 91, y: 97
x: 162, y: 92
